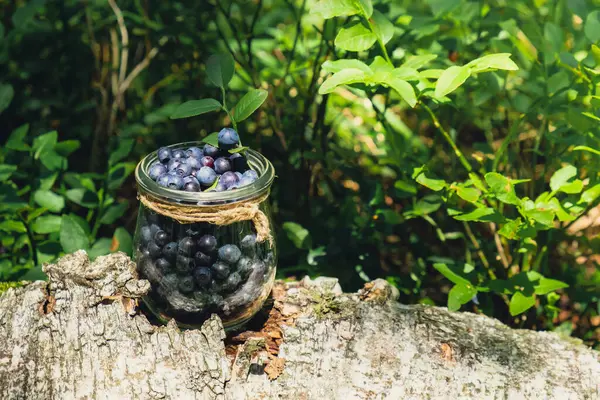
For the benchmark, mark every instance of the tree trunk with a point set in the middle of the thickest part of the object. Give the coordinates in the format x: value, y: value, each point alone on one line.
x: 81, y: 336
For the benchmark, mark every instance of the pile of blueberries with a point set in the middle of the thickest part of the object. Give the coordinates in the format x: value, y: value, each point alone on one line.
x: 197, y: 169
x: 191, y: 272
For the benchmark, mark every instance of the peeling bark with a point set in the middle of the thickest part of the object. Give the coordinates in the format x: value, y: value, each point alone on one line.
x: 81, y: 336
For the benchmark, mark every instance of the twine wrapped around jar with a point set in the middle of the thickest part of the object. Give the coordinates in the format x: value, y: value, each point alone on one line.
x: 219, y: 214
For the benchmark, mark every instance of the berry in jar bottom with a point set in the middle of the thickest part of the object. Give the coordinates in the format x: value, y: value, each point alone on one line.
x: 199, y: 269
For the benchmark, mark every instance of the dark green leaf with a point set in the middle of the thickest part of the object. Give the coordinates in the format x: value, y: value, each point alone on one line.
x: 12, y: 226
x: 118, y: 174
x: 479, y: 214
x: 433, y: 184
x: 220, y: 69
x: 44, y: 143
x: 249, y: 103
x: 113, y: 213
x: 100, y: 248
x: 212, y: 139
x: 50, y: 200
x: 125, y: 147
x: 67, y: 147
x: 16, y: 140
x: 6, y: 171
x: 545, y: 285
x: 196, y: 107
x: 592, y: 26
x: 6, y: 96
x: 35, y: 274
x: 451, y: 275
x: 122, y: 241
x: 72, y: 235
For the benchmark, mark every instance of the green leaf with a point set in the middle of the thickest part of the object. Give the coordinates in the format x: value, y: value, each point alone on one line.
x: 125, y: 147
x: 6, y: 171
x: 16, y: 140
x: 240, y: 149
x: 50, y: 200
x: 502, y: 187
x: 335, y: 8
x: 35, y: 274
x: 405, y: 90
x: 545, y: 285
x: 122, y: 241
x: 476, y: 215
x: 592, y: 26
x: 72, y: 235
x: 355, y: 38
x: 417, y: 62
x: 249, y: 103
x: 196, y: 107
x: 561, y: 177
x: 298, y: 235
x: 113, y: 213
x: 441, y: 7
x: 469, y: 194
x: 67, y: 147
x: 460, y: 294
x: 6, y: 96
x: 13, y: 226
x: 493, y: 62
x: 338, y: 65
x: 520, y: 303
x: 214, y: 185
x: 344, y: 77
x: 573, y: 187
x: 382, y: 27
x: 544, y: 217
x: 53, y: 161
x: 365, y: 7
x: 100, y: 248
x: 450, y: 80
x: 118, y: 174
x: 560, y: 212
x: 451, y: 275
x: 83, y: 197
x: 47, y: 224
x: 212, y: 139
x: 590, y: 195
x: 220, y: 69
x: 510, y: 230
x: 44, y: 143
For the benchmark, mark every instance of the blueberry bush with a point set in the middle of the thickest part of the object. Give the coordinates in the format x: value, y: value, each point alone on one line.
x: 451, y: 147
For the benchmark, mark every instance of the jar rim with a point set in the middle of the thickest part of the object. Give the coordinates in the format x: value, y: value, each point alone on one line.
x: 256, y: 161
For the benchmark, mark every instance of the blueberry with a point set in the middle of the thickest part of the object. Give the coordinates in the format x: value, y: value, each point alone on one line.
x: 220, y: 269
x: 207, y: 244
x: 170, y: 250
x: 251, y: 174
x: 186, y: 284
x: 233, y: 187
x: 232, y: 282
x: 207, y: 161
x: 248, y: 243
x: 194, y: 152
x: 145, y: 235
x: 210, y: 151
x: 154, y: 250
x: 184, y: 265
x: 203, y: 276
x: 156, y: 171
x: 145, y: 253
x: 164, y: 154
x: 173, y: 173
x: 245, y: 182
x: 178, y: 154
x: 154, y: 228
x: 203, y: 259
x: 194, y: 163
x: 186, y: 246
x: 161, y: 238
x: 228, y: 178
x: 163, y: 265
x: 173, y: 164
x: 220, y: 187
x: 175, y: 182
x: 169, y: 282
x: 222, y: 165
x: 239, y: 162
x: 190, y: 178
x: 230, y: 253
x: 191, y: 187
x: 244, y: 266
x: 206, y: 176
x: 163, y: 180
x: 184, y: 169
x: 228, y: 138
x: 239, y: 176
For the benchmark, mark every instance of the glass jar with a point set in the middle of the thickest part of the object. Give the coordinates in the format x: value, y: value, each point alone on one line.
x: 199, y: 268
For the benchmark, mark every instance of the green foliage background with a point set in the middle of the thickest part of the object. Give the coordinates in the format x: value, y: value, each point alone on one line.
x: 401, y: 150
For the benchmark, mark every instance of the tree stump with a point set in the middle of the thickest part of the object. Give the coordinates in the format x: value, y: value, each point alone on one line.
x: 81, y: 336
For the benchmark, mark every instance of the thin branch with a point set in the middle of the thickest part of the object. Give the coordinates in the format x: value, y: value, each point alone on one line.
x: 124, y: 39
x: 138, y: 68
x: 115, y: 61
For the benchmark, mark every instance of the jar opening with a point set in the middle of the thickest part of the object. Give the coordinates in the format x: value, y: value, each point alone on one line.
x: 256, y: 161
